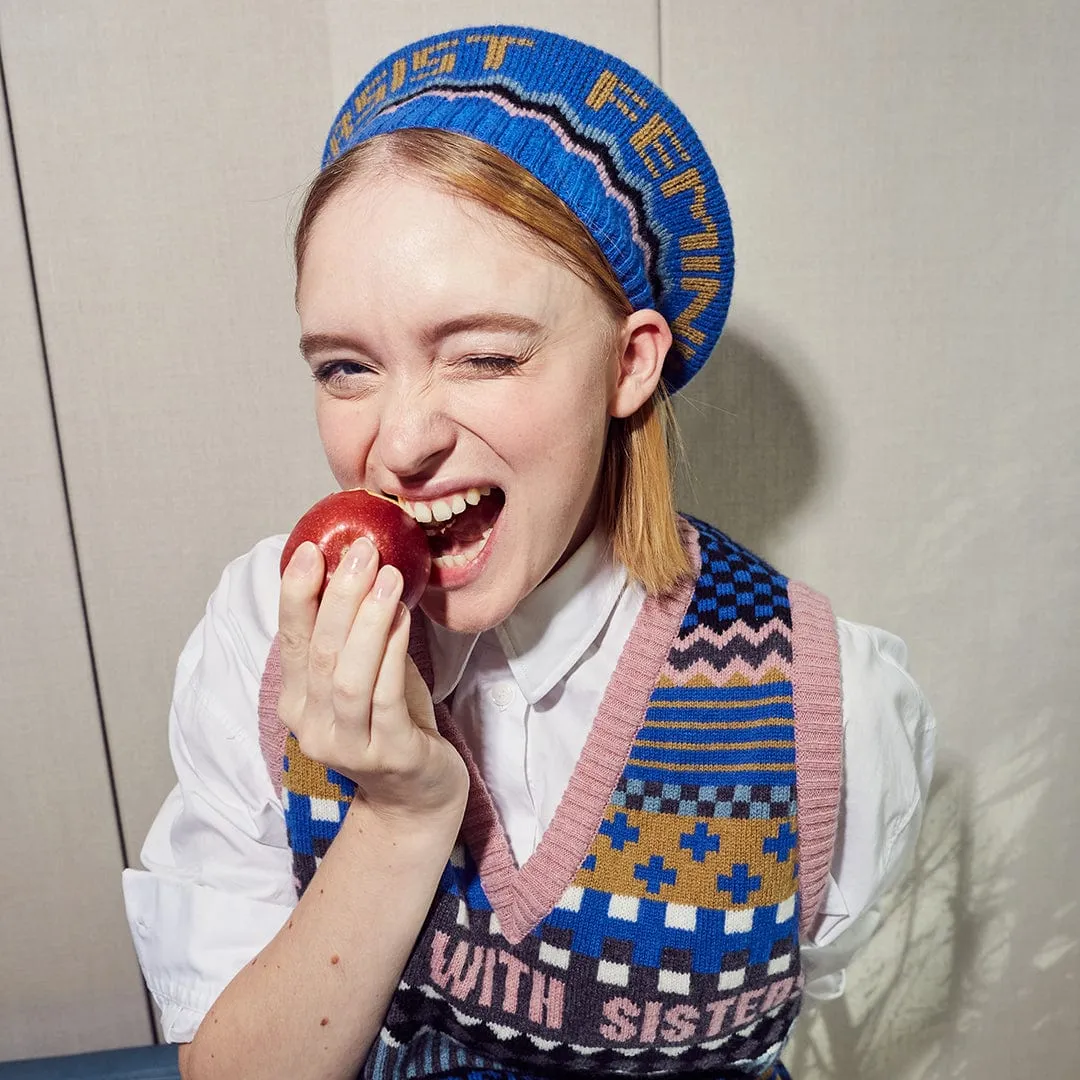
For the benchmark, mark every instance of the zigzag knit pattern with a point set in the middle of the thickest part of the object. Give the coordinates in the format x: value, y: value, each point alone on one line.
x: 606, y: 139
x: 656, y: 928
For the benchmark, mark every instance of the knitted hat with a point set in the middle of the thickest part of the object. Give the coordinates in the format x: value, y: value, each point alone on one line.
x: 597, y: 133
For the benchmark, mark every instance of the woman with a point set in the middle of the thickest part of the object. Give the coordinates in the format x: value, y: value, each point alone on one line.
x: 566, y: 831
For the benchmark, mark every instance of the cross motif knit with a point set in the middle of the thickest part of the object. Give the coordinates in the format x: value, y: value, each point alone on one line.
x: 656, y: 928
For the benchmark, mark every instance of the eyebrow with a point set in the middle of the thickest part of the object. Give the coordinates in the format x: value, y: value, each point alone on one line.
x: 497, y: 321
x: 313, y: 343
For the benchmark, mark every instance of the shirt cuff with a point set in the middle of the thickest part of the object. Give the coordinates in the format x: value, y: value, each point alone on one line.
x: 191, y: 940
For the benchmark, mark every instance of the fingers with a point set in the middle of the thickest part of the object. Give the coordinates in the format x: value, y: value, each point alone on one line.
x: 346, y: 590
x: 297, y: 610
x: 389, y: 692
x: 363, y: 654
x: 344, y: 658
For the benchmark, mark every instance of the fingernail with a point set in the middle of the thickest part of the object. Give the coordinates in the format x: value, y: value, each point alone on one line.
x: 386, y: 584
x: 303, y: 558
x: 360, y: 554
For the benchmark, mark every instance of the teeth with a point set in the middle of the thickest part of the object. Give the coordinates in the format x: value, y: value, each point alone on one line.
x: 451, y: 560
x: 443, y: 509
x: 463, y: 558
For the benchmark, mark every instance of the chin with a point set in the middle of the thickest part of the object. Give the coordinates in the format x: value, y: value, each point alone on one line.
x: 465, y: 614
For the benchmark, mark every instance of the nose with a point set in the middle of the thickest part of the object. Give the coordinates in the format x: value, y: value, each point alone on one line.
x: 415, y: 434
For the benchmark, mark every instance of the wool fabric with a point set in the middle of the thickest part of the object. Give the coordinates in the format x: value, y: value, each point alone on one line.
x: 656, y: 928
x: 599, y: 134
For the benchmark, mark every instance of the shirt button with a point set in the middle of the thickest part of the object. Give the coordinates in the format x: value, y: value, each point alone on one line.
x: 502, y: 695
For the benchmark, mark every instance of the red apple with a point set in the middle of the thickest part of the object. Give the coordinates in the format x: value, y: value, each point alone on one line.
x: 340, y: 519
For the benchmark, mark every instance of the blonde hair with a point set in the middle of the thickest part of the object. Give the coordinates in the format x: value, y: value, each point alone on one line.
x: 637, y: 498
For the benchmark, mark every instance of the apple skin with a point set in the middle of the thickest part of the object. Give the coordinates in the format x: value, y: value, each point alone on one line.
x: 342, y: 518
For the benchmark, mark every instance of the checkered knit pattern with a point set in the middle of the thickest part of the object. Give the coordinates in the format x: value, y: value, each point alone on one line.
x: 595, y: 131
x: 673, y: 947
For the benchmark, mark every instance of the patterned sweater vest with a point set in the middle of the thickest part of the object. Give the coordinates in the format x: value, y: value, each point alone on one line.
x: 655, y: 930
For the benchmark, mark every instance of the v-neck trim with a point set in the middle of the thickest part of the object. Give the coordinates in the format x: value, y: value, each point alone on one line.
x: 522, y: 896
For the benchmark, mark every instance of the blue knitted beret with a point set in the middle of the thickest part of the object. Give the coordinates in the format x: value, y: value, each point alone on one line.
x: 597, y: 133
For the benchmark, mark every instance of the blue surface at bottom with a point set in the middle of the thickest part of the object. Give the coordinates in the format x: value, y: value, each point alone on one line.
x: 135, y: 1063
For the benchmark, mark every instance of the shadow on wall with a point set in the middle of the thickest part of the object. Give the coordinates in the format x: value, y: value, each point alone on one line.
x: 932, y: 970
x: 949, y: 940
x: 754, y: 453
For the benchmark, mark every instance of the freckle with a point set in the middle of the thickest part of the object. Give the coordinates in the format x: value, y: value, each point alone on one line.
x: 321, y: 891
x: 335, y: 959
x: 290, y: 924
x: 324, y: 1021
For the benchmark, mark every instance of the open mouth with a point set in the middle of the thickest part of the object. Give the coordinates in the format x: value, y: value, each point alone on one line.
x: 458, y: 526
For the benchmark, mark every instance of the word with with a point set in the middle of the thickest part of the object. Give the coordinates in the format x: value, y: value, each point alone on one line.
x: 475, y: 970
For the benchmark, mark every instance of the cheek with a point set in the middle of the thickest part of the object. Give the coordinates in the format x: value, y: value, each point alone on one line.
x: 345, y: 439
x: 565, y: 442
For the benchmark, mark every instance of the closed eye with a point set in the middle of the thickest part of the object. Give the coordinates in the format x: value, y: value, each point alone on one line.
x: 494, y: 365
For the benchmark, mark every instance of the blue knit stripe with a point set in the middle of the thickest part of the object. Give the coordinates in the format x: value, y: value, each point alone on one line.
x: 718, y: 737
x: 703, y: 715
x: 760, y: 755
x: 635, y: 771
x: 779, y: 689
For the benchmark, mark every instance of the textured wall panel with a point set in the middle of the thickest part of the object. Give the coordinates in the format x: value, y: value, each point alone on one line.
x: 68, y: 977
x: 893, y: 416
x: 361, y: 34
x: 163, y: 147
x: 165, y: 152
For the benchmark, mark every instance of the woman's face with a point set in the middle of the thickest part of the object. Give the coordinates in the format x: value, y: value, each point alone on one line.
x: 452, y: 357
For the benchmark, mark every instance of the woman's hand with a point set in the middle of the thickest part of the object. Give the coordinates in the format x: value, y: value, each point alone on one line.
x: 350, y: 692
x: 355, y: 702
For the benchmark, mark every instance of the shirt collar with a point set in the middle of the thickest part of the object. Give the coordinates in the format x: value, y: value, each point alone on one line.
x: 549, y: 632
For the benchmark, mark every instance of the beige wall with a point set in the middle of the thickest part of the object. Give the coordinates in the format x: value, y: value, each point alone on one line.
x: 890, y: 416
x: 68, y: 978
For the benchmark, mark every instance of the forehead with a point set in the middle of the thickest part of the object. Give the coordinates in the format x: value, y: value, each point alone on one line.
x: 384, y: 234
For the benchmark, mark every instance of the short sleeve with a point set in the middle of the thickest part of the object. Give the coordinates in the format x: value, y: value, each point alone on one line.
x: 216, y: 883
x: 889, y: 741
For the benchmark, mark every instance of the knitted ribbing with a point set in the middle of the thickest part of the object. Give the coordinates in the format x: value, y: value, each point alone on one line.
x: 522, y: 896
x: 818, y: 736
x: 675, y: 942
x: 595, y: 131
x: 818, y: 740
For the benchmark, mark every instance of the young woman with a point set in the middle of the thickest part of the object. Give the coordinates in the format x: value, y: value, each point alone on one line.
x: 580, y: 812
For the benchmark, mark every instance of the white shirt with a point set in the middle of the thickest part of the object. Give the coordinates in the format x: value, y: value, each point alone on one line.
x: 217, y: 883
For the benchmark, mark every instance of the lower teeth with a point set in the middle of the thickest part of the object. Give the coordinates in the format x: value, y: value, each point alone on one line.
x: 465, y: 556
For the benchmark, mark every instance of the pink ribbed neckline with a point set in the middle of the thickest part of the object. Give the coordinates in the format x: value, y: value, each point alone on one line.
x: 522, y: 896
x: 819, y: 741
x: 272, y: 732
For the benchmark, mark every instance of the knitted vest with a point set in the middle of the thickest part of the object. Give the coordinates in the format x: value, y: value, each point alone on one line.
x: 655, y: 930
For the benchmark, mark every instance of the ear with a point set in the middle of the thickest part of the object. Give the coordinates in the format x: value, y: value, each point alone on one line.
x: 645, y: 340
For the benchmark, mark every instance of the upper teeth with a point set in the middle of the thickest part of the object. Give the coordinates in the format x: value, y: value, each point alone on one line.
x: 443, y: 509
